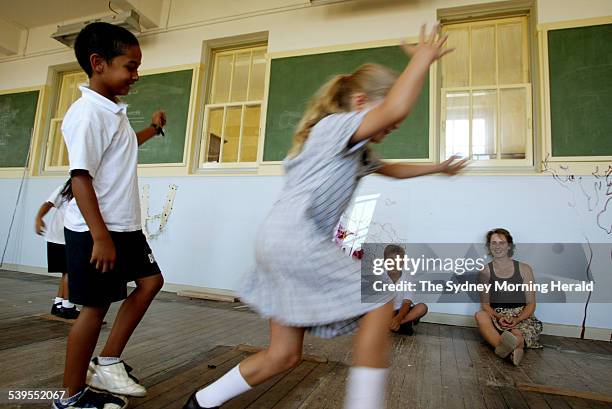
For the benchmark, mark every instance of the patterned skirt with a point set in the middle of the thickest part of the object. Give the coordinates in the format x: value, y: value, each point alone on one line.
x: 531, y: 328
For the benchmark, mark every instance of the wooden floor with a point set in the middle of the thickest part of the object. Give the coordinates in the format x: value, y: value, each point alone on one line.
x: 184, y: 344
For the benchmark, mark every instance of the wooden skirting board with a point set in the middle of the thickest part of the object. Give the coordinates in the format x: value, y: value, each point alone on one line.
x: 207, y: 296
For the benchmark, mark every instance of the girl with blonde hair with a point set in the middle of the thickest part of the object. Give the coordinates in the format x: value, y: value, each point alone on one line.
x: 303, y: 281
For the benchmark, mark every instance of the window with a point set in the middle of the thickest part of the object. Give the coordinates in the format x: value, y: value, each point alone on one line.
x: 486, y: 93
x: 233, y: 110
x: 68, y: 91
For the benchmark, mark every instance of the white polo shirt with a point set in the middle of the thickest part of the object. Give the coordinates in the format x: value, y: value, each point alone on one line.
x: 101, y: 141
x: 55, y: 228
x: 401, y: 295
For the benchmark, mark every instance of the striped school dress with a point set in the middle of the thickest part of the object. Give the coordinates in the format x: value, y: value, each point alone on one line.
x: 303, y: 279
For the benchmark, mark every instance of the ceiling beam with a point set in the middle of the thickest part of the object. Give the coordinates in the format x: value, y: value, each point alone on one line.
x: 11, y: 38
x: 150, y: 11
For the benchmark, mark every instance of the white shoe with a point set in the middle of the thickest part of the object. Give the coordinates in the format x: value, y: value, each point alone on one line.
x: 114, y: 378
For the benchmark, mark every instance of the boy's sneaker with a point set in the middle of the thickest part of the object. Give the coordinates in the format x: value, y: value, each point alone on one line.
x: 90, y: 399
x: 114, y: 378
x: 406, y: 329
x: 56, y: 309
x: 69, y: 313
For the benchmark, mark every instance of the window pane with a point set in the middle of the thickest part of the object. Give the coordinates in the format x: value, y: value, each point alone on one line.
x: 65, y: 97
x: 250, y: 134
x: 457, y: 123
x: 483, y: 56
x: 240, y: 81
x: 258, y: 74
x: 513, y: 123
x: 231, y: 137
x: 483, y: 124
x: 215, y: 126
x: 222, y: 76
x: 456, y: 64
x: 58, y: 154
x: 510, y: 53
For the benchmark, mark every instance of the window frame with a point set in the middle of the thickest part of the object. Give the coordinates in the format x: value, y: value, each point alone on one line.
x: 202, y: 166
x: 51, y: 137
x: 584, y: 165
x: 494, y: 164
x: 32, y: 155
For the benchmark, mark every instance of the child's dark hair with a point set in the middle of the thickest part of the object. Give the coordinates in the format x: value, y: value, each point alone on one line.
x: 104, y: 39
x: 393, y: 250
x: 67, y: 190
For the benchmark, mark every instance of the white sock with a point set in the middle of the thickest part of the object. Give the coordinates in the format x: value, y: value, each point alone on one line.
x: 108, y: 360
x: 366, y: 388
x: 223, y: 389
x: 58, y: 300
x: 67, y: 304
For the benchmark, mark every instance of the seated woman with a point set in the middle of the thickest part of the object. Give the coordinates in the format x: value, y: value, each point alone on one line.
x: 506, y: 319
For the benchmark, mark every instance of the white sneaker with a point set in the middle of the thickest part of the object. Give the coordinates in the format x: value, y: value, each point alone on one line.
x: 114, y: 378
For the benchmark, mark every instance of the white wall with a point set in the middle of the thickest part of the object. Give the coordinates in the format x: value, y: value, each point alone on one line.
x: 210, y: 235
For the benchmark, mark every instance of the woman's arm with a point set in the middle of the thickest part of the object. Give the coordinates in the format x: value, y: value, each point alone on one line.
x: 485, y: 277
x: 529, y: 309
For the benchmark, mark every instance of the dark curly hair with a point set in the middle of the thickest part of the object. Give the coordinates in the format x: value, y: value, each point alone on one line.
x: 504, y: 233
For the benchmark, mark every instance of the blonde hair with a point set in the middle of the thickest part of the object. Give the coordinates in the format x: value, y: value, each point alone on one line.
x: 374, y: 80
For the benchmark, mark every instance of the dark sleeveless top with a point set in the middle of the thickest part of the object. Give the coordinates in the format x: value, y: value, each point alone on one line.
x: 506, y: 299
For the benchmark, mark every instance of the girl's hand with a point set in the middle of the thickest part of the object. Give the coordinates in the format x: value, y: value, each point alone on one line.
x: 40, y: 226
x: 449, y: 168
x: 103, y: 254
x: 431, y: 48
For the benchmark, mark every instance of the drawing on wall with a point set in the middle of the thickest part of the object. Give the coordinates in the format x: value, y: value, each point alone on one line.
x: 592, y: 195
x: 147, y: 220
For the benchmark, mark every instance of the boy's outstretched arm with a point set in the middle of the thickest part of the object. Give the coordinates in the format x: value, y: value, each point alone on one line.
x: 158, y: 120
x: 405, y: 171
x: 103, y: 253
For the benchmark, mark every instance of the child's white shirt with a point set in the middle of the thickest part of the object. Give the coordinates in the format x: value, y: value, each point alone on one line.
x: 401, y: 295
x: 55, y: 228
x: 101, y: 140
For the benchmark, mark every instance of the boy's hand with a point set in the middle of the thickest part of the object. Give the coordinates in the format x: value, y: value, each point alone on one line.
x: 103, y: 254
x: 159, y: 118
x: 431, y: 47
x: 40, y: 226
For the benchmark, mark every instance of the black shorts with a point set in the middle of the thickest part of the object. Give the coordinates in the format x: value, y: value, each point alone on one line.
x: 56, y: 258
x: 90, y: 287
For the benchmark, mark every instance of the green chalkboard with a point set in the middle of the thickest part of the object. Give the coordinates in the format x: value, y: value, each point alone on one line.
x: 580, y: 72
x: 169, y: 91
x: 293, y: 80
x: 17, y: 116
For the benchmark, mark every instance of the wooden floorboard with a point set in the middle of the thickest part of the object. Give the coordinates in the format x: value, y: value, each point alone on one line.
x: 184, y: 344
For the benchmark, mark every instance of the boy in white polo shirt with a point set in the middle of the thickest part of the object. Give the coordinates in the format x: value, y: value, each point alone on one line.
x: 104, y: 241
x: 406, y: 312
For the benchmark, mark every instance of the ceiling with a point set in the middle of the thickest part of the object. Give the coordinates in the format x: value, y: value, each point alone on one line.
x: 36, y: 13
